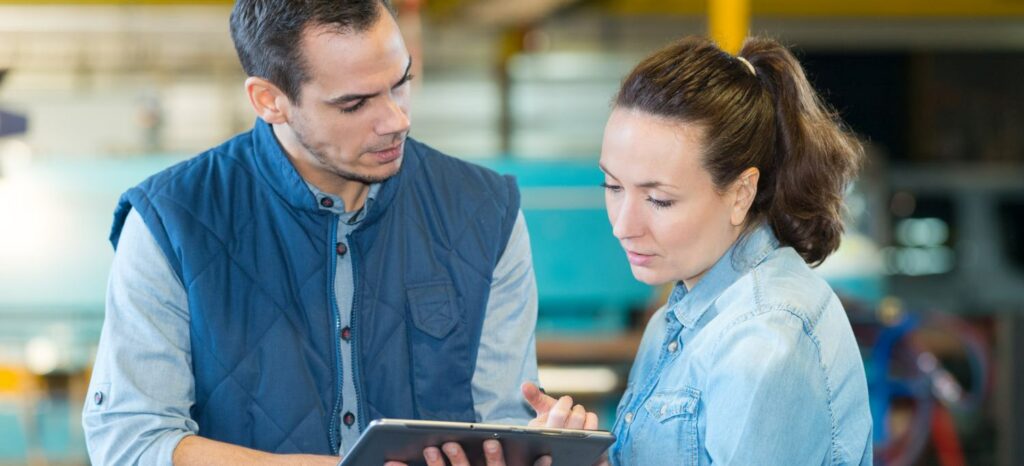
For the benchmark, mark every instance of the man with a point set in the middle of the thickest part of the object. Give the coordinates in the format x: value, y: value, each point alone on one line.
x: 271, y: 296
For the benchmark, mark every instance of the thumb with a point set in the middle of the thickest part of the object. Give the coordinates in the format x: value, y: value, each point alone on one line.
x: 540, y: 401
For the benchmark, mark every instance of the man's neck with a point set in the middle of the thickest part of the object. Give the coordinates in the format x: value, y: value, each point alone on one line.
x: 353, y: 193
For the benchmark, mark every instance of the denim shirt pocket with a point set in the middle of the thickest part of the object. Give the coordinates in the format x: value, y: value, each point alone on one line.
x: 664, y: 406
x: 671, y: 428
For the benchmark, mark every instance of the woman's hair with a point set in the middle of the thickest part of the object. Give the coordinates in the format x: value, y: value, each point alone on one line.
x: 769, y: 118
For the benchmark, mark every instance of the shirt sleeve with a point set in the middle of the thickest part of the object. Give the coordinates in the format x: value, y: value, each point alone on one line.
x: 767, y: 399
x: 137, y: 407
x: 508, y: 356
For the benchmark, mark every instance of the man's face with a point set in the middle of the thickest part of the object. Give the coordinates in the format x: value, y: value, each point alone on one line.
x: 352, y: 116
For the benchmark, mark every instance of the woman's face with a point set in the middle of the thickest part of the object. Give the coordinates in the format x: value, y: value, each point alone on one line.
x: 664, y: 209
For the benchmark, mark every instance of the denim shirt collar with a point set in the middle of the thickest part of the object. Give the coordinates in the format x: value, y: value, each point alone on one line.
x: 689, y: 306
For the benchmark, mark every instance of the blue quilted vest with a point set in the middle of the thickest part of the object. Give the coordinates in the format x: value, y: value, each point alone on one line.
x: 257, y: 258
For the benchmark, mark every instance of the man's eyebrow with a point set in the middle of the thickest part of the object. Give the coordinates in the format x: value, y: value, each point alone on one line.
x: 354, y: 97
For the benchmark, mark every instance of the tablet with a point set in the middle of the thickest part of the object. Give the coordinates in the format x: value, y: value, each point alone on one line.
x: 404, y: 440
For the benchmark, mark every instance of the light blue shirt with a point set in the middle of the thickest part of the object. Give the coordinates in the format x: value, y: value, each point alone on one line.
x: 142, y: 387
x: 757, y: 365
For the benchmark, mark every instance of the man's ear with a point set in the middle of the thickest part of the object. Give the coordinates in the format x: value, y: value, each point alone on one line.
x: 745, y: 189
x: 267, y: 100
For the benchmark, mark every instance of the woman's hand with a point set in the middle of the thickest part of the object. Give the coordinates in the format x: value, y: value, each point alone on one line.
x: 560, y: 413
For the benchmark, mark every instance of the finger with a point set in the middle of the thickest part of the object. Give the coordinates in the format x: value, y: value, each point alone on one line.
x: 539, y: 421
x: 455, y: 454
x: 591, y: 422
x: 543, y: 461
x: 433, y: 456
x: 394, y: 463
x: 577, y: 417
x: 493, y: 453
x: 603, y: 460
x: 539, y: 400
x: 559, y: 412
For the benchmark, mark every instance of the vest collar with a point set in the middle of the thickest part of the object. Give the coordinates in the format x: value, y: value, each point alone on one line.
x: 277, y: 169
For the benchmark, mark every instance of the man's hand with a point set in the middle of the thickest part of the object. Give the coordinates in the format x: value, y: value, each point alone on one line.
x: 492, y: 453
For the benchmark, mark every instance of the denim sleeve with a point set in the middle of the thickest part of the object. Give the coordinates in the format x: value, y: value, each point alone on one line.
x: 137, y: 408
x: 767, y: 398
x: 508, y: 355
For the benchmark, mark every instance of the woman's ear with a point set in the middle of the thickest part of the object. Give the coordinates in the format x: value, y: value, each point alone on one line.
x: 267, y: 100
x: 745, y: 190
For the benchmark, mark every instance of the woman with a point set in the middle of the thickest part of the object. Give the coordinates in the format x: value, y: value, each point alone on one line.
x: 725, y: 176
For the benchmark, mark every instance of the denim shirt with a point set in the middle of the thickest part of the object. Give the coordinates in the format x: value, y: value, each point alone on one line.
x: 756, y: 365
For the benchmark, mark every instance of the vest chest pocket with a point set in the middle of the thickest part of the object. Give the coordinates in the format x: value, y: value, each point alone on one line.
x: 432, y: 307
x: 439, y: 353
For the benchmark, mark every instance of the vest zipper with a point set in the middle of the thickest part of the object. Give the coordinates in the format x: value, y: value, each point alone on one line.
x: 354, y: 342
x: 332, y: 296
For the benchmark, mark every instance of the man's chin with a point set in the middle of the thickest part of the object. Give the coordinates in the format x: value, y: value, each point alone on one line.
x: 371, y: 176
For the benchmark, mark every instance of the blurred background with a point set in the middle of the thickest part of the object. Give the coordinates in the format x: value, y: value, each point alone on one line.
x: 95, y: 95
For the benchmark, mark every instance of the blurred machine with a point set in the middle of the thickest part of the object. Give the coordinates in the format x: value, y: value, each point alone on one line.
x: 11, y: 124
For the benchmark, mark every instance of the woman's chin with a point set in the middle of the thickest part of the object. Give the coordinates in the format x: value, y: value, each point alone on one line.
x: 648, y: 276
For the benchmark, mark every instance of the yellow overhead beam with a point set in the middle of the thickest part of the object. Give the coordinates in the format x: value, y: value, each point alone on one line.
x: 831, y: 8
x: 728, y: 23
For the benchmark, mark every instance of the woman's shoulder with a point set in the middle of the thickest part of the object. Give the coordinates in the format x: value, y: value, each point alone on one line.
x: 781, y: 288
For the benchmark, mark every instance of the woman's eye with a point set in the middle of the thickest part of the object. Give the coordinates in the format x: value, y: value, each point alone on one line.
x: 611, y: 187
x: 660, y: 204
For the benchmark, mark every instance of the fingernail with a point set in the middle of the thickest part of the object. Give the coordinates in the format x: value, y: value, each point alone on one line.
x: 491, y: 446
x: 450, y: 449
x: 431, y: 454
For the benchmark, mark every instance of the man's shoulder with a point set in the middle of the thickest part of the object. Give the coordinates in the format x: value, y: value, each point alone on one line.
x: 214, y: 163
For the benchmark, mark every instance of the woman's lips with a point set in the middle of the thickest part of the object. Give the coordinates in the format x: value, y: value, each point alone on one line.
x: 638, y: 259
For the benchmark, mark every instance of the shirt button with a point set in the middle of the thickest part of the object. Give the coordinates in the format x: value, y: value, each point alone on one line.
x: 346, y: 333
x: 341, y: 249
x: 629, y: 418
x: 327, y: 202
x: 349, y: 419
x: 98, y: 398
x: 672, y: 347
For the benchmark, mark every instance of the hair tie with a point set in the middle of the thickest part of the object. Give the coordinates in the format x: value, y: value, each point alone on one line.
x: 749, y: 66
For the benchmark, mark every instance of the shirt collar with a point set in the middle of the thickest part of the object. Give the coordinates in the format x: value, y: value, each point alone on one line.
x: 337, y: 205
x: 689, y: 306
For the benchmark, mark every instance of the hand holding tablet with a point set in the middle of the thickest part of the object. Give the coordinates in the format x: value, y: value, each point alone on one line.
x: 561, y: 433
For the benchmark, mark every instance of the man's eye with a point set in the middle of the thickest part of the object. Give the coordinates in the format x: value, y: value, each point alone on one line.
x: 354, y: 108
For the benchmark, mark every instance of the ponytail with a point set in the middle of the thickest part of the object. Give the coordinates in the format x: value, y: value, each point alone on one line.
x: 816, y: 157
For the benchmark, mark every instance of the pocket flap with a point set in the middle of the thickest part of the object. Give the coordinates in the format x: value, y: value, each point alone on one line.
x: 665, y: 405
x: 432, y: 306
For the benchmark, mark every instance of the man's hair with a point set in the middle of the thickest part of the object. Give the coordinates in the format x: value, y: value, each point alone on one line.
x: 268, y: 34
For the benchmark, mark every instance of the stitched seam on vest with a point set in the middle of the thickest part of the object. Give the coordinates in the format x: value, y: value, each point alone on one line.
x: 254, y: 402
x: 288, y: 437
